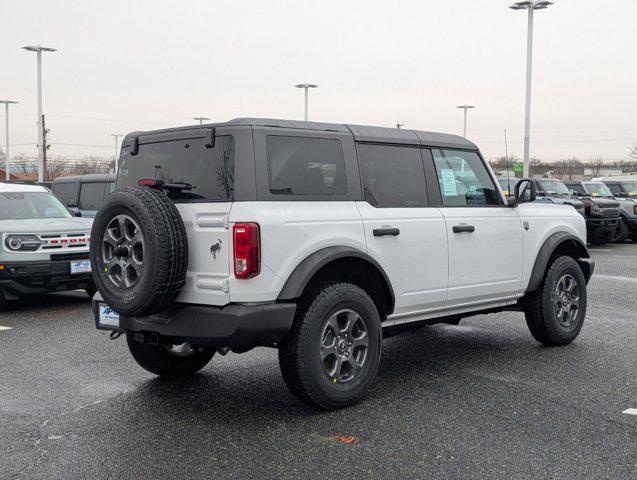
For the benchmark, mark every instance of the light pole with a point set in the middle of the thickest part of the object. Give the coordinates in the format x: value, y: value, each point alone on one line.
x: 201, y: 119
x: 465, y: 108
x: 530, y: 6
x: 41, y: 146
x: 116, y: 135
x: 6, y: 126
x: 306, y: 87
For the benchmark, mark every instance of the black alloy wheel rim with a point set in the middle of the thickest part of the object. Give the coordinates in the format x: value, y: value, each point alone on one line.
x: 123, y: 251
x: 565, y: 299
x: 344, y: 346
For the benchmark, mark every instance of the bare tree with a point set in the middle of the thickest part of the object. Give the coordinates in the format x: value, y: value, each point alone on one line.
x: 596, y: 164
x: 23, y: 164
x: 633, y: 152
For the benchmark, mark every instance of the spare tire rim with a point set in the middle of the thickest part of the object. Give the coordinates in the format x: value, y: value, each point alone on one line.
x: 343, y: 346
x: 123, y: 251
x: 566, y: 300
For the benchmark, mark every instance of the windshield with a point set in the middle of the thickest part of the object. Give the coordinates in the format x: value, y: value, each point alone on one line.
x: 630, y: 187
x: 554, y: 187
x: 597, y: 189
x: 30, y: 205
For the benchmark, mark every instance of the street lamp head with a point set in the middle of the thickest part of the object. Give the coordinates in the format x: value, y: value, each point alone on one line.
x: 466, y: 106
x: 534, y: 4
x: 7, y: 102
x: 39, y: 48
x: 306, y: 85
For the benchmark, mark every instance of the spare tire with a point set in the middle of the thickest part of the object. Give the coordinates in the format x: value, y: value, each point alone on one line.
x: 139, y: 251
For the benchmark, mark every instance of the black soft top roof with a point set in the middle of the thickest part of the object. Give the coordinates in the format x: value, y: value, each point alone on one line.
x: 361, y: 133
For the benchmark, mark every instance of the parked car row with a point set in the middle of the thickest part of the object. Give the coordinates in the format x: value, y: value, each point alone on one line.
x: 609, y: 217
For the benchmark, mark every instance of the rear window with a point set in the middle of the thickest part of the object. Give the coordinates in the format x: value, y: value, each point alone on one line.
x: 207, y: 173
x: 91, y: 195
x: 393, y: 176
x: 65, y: 191
x: 305, y: 166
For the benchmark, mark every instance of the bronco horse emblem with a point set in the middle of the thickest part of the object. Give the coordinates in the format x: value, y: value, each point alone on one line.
x: 215, y: 248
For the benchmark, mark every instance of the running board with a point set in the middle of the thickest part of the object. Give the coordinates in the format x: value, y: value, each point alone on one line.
x: 393, y: 320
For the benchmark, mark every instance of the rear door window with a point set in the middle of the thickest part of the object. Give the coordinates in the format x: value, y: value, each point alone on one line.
x: 305, y: 166
x: 91, y: 195
x: 393, y: 176
x: 207, y: 174
x: 464, y: 179
x: 65, y: 191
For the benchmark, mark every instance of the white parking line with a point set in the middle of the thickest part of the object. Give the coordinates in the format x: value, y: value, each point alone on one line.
x: 598, y: 250
x: 630, y: 411
x: 4, y: 328
x: 616, y: 277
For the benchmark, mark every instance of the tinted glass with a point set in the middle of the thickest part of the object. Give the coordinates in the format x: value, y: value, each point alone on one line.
x: 91, y: 195
x: 110, y: 188
x: 577, y: 189
x: 207, y: 174
x: 65, y: 191
x: 597, y: 189
x: 21, y: 206
x: 305, y: 166
x: 393, y: 176
x: 629, y: 187
x: 464, y: 179
x: 554, y: 187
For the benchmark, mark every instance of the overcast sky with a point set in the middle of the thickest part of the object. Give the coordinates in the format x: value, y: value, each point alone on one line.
x: 138, y: 65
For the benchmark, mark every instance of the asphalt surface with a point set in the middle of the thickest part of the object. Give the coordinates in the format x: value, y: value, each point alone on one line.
x: 478, y: 400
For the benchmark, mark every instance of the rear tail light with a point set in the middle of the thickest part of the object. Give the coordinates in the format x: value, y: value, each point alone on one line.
x: 246, y: 240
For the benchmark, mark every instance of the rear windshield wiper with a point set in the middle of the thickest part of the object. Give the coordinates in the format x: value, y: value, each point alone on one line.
x: 178, y: 186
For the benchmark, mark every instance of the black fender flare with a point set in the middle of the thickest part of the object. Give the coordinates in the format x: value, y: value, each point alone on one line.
x: 304, y: 271
x: 549, y: 246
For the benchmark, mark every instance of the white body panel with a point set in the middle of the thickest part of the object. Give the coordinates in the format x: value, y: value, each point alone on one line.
x: 488, y: 261
x: 433, y: 271
x: 415, y: 260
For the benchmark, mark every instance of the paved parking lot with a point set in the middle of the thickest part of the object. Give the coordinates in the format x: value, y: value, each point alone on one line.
x: 480, y: 400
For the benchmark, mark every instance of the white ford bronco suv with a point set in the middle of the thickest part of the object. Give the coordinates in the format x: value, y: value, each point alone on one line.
x: 44, y: 247
x: 319, y: 240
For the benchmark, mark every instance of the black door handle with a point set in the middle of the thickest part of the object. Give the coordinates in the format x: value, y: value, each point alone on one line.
x: 381, y: 232
x: 463, y: 228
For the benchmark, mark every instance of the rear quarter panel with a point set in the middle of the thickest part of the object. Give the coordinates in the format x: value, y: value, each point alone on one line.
x: 290, y: 232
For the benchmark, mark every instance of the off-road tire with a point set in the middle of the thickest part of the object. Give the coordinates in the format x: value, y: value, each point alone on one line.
x: 299, y: 359
x: 165, y: 257
x: 622, y: 232
x: 159, y: 360
x: 539, y: 309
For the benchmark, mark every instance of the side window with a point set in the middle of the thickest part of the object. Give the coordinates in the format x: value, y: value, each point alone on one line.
x: 110, y: 188
x: 464, y: 179
x: 577, y: 189
x: 91, y: 195
x: 305, y: 166
x: 392, y: 176
x: 65, y: 191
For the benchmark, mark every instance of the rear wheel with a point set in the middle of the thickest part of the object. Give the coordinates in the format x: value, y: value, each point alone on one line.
x: 555, y: 312
x: 3, y: 301
x: 169, y: 360
x: 330, y: 357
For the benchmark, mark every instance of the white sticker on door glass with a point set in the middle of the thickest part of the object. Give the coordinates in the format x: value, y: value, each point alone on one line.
x: 448, y: 182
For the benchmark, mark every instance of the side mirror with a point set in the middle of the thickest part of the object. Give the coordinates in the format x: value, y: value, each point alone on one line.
x: 520, y: 191
x: 75, y: 211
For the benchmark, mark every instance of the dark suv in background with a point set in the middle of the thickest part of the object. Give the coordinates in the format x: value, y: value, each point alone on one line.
x: 627, y: 227
x: 84, y: 194
x: 548, y: 190
x: 602, y: 214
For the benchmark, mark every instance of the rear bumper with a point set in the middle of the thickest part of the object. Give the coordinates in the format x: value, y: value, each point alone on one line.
x: 25, y: 278
x: 238, y: 327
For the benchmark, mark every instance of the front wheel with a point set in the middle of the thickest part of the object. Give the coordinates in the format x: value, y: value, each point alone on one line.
x: 622, y: 232
x: 555, y: 312
x: 169, y: 360
x: 330, y: 357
